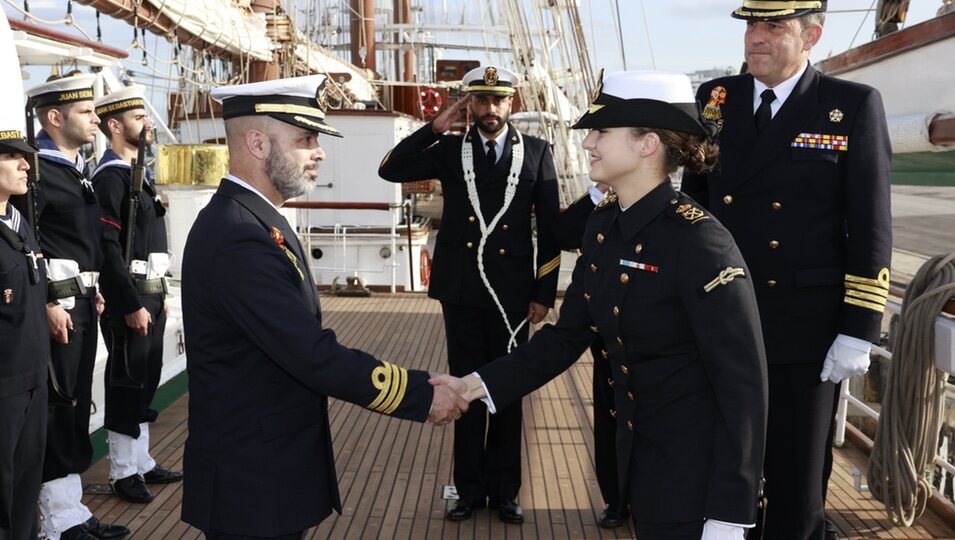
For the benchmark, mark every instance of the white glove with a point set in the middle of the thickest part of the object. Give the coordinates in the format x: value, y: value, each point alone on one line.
x: 718, y: 530
x: 847, y: 358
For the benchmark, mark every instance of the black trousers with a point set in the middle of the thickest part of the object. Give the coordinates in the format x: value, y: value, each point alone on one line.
x: 212, y: 535
x: 487, y: 448
x: 68, y: 448
x: 126, y: 408
x: 605, y: 428
x: 800, y: 419
x: 22, y: 433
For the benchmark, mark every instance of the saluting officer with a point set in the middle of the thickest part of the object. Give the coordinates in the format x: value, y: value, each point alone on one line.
x: 663, y: 284
x: 70, y: 233
x: 495, y: 180
x: 23, y: 326
x: 135, y: 292
x: 258, y: 461
x: 804, y: 188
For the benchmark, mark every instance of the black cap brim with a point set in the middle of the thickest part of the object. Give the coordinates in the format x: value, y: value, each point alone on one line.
x: 16, y: 146
x: 608, y: 112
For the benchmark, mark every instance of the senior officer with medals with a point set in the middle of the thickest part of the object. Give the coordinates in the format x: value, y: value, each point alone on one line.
x: 663, y: 284
x: 804, y: 189
x: 23, y: 324
x: 135, y: 318
x: 494, y: 180
x: 258, y: 461
x: 68, y: 215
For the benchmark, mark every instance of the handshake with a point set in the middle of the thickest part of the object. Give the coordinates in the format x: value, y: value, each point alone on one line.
x: 452, y: 395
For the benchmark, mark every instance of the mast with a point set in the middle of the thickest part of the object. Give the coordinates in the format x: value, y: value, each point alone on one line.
x: 362, y: 24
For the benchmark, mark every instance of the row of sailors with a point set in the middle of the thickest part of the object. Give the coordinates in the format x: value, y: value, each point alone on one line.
x: 63, y: 270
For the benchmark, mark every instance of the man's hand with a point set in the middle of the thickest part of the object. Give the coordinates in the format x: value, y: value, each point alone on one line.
x: 537, y: 312
x: 61, y: 324
x: 847, y: 357
x: 449, y: 116
x: 139, y: 321
x: 447, y: 404
x: 100, y: 303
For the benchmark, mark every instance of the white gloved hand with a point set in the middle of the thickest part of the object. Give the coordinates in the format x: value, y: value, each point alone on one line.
x: 847, y: 357
x: 718, y: 530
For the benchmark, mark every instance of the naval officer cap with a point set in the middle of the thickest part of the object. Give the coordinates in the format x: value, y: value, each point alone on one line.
x: 300, y: 101
x: 490, y: 81
x: 63, y: 91
x: 647, y: 99
x: 774, y: 10
x: 120, y: 101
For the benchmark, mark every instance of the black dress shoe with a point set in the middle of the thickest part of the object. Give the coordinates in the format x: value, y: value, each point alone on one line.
x: 133, y: 489
x: 463, y: 510
x: 104, y: 531
x: 77, y: 533
x: 511, y: 512
x: 831, y: 532
x: 162, y: 476
x: 611, y: 518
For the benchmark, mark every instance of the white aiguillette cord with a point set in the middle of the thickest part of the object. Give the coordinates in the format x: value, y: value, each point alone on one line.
x: 467, y: 163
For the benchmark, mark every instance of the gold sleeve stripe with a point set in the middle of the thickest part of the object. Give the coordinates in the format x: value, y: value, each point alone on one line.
x: 392, y: 381
x: 864, y: 304
x: 866, y: 296
x: 881, y: 281
x: 867, y: 288
x: 552, y: 265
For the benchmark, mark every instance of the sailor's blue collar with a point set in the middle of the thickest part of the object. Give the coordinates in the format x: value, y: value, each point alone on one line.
x: 51, y: 152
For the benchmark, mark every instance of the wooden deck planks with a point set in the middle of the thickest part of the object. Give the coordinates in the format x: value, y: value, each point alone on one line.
x: 391, y: 472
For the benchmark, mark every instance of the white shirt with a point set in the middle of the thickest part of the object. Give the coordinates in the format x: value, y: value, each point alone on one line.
x: 782, y: 91
x: 498, y: 147
x: 232, y: 178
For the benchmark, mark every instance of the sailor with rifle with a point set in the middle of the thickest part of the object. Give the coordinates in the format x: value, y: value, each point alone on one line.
x: 133, y: 282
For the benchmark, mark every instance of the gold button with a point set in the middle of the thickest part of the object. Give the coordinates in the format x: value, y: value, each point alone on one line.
x: 777, y: 206
x: 502, y: 251
x: 624, y: 369
x: 619, y: 341
x: 728, y: 199
x: 638, y: 248
x: 471, y: 219
x: 586, y: 297
x: 773, y: 244
x: 771, y: 283
x: 604, y: 353
x: 594, y: 330
x: 616, y: 311
x: 600, y: 238
x: 629, y: 425
x: 613, y: 413
x: 505, y: 227
x: 470, y: 245
x: 624, y: 278
x: 630, y: 395
x: 673, y: 201
x: 593, y: 267
x: 610, y: 381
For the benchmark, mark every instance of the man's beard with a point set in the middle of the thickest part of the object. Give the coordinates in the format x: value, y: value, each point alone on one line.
x: 289, y: 179
x: 133, y: 138
x: 501, y: 124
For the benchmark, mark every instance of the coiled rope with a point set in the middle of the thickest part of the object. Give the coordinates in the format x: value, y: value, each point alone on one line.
x: 906, y: 440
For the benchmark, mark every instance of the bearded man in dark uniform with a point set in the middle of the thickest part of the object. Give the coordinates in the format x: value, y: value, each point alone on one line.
x: 804, y: 189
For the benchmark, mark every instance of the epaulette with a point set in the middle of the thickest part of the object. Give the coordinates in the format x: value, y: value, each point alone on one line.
x: 690, y: 213
x: 612, y: 198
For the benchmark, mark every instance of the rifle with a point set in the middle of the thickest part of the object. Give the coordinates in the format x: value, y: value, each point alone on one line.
x: 58, y: 395
x: 120, y: 372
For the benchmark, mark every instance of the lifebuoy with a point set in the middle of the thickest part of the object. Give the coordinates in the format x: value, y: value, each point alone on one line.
x: 430, y: 101
x: 425, y: 267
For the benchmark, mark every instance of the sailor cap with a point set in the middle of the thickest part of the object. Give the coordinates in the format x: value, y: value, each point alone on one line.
x: 648, y: 99
x: 490, y: 80
x: 300, y: 101
x: 68, y: 89
x: 11, y: 95
x: 120, y: 101
x: 773, y: 10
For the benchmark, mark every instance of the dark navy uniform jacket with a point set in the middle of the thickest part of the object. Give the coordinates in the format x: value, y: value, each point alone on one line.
x: 23, y: 325
x: 808, y: 205
x: 686, y: 352
x: 509, y: 253
x: 258, y: 460
x: 112, y: 182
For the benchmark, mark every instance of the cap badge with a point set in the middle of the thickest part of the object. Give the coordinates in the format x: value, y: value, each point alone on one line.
x: 490, y: 76
x: 835, y: 115
x: 712, y: 111
x: 321, y: 96
x: 599, y: 88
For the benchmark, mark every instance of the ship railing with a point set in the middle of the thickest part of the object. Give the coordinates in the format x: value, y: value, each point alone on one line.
x: 397, y: 208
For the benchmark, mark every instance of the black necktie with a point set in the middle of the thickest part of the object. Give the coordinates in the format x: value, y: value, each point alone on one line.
x: 764, y: 114
x: 491, y: 154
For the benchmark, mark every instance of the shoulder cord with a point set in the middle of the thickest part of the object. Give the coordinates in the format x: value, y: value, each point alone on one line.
x: 467, y: 163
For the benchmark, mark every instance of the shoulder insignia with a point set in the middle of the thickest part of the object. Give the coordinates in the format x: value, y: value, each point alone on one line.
x: 607, y: 200
x: 691, y: 213
x: 725, y: 276
x: 392, y: 383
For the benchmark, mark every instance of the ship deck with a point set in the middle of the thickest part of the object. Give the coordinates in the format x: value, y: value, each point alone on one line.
x: 392, y: 472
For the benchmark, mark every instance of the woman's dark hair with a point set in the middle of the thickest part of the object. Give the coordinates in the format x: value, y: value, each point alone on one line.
x: 696, y: 153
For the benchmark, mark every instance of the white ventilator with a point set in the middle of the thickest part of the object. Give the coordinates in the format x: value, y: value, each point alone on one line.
x: 467, y: 163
